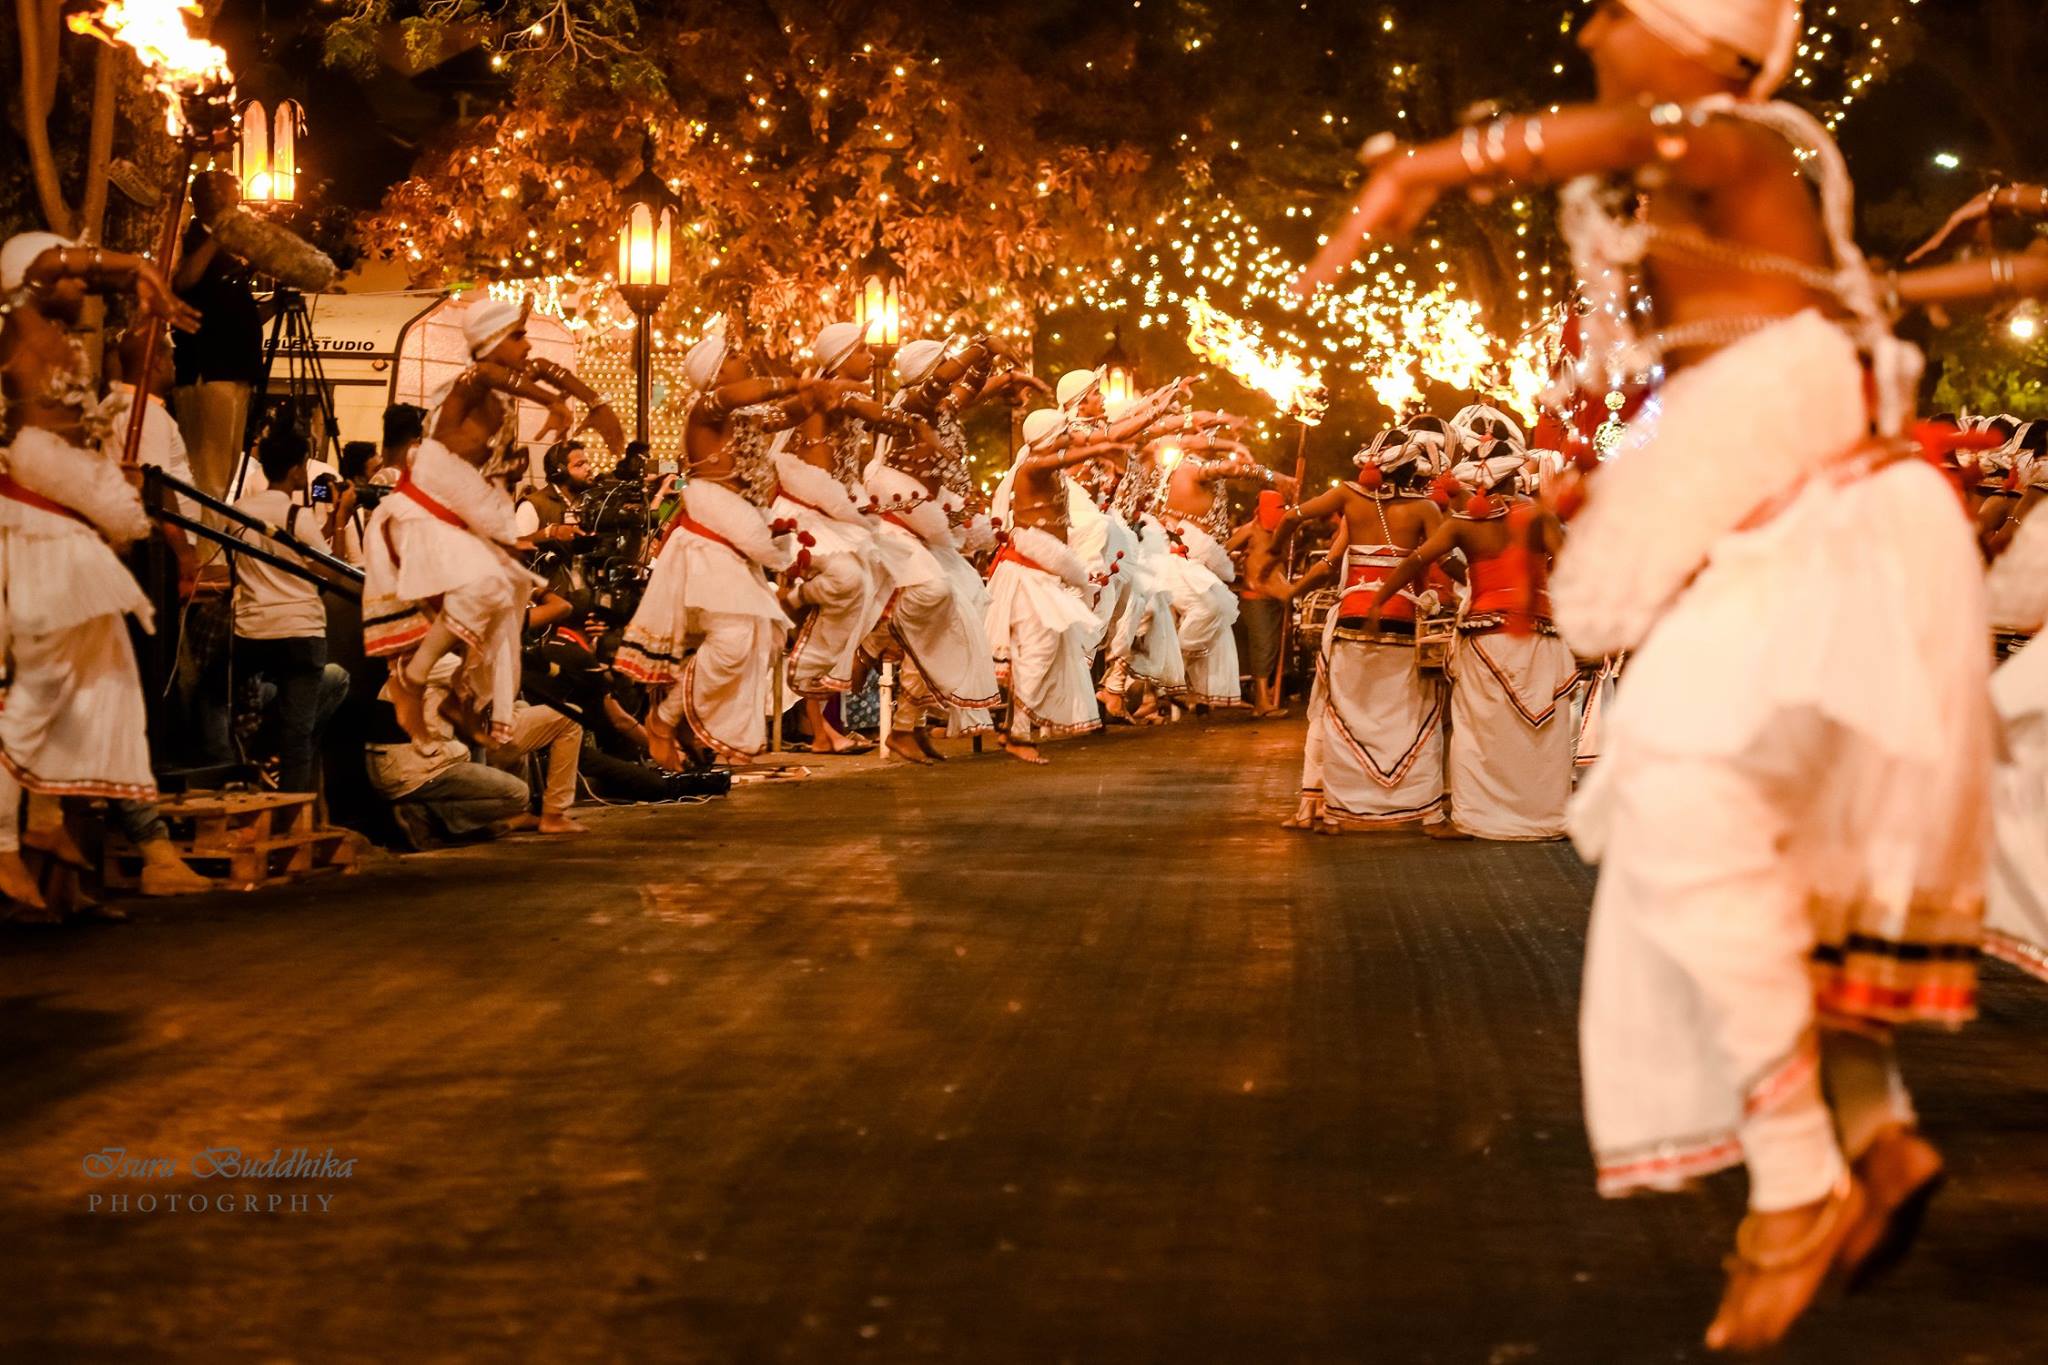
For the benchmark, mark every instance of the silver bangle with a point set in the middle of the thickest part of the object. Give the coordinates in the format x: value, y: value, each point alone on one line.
x: 2003, y: 277
x: 1496, y: 145
x: 1468, y: 148
x: 1532, y: 141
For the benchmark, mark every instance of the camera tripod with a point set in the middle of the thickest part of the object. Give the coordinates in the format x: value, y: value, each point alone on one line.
x: 291, y: 338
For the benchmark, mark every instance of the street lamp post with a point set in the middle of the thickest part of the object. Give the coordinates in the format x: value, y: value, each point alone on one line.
x: 879, y: 309
x: 646, y: 243
x: 1119, y: 375
x: 267, y: 152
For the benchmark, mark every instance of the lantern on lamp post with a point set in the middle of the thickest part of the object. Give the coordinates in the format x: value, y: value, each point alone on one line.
x: 646, y: 245
x: 879, y: 309
x: 267, y: 152
x: 1119, y: 375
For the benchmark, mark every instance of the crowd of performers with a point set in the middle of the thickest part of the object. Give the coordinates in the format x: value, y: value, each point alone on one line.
x: 821, y: 532
x: 1793, y: 803
x: 1443, y: 696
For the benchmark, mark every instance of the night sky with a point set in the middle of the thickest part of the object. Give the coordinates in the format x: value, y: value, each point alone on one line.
x: 364, y: 134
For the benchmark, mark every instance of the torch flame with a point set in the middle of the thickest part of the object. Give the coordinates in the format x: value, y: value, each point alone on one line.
x: 175, y: 63
x: 1222, y: 340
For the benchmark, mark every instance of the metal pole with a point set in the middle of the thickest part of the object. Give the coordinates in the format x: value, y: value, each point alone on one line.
x: 1293, y: 551
x: 166, y: 248
x: 643, y: 372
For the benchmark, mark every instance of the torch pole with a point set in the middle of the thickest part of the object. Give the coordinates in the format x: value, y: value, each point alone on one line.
x: 166, y: 247
x: 1293, y: 550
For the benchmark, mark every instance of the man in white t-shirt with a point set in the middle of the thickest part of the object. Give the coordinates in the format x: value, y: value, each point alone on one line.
x: 280, y: 621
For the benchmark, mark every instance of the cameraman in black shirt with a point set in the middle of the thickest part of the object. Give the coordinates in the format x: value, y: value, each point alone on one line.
x: 219, y: 365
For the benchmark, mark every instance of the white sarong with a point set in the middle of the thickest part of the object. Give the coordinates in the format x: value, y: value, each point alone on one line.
x: 1204, y: 607
x: 72, y: 717
x: 844, y: 587
x: 437, y: 550
x: 1374, y: 756
x: 709, y: 621
x: 2016, y: 899
x: 1790, y: 805
x: 1040, y: 626
x: 1509, y: 764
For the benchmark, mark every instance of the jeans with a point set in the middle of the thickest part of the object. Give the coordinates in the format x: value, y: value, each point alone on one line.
x: 470, y: 797
x: 297, y: 668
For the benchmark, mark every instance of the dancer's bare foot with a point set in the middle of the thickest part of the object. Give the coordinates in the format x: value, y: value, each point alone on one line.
x: 902, y: 745
x: 1306, y: 816
x: 1022, y: 752
x: 560, y: 823
x: 924, y: 742
x: 409, y: 702
x: 164, y: 873
x: 16, y: 883
x: 827, y: 738
x: 56, y: 840
x: 1901, y: 1173
x: 662, y: 746
x: 1268, y: 713
x: 1445, y: 831
x: 1781, y: 1261
x: 1113, y: 704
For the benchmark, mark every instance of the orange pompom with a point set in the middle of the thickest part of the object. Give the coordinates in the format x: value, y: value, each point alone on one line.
x: 1369, y: 476
x: 1479, y: 507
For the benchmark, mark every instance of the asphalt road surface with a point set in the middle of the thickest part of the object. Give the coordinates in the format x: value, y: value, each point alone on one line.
x: 985, y: 1064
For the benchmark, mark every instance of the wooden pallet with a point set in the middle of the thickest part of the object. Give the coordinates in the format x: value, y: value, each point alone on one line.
x: 242, y: 841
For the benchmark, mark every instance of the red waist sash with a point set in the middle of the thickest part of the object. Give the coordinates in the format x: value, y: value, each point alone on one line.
x: 413, y: 491
x: 1010, y: 552
x: 685, y: 522
x: 30, y: 498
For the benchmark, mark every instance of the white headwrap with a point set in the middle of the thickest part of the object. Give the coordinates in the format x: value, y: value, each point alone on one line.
x: 704, y: 360
x: 1478, y: 426
x: 916, y: 361
x: 1043, y: 424
x: 1076, y: 385
x: 1391, y: 450
x: 1483, y: 476
x: 20, y: 253
x: 487, y: 322
x: 835, y: 343
x: 1764, y: 34
x: 1430, y: 436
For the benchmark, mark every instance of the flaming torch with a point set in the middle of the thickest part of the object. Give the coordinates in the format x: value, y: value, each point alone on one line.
x: 190, y: 73
x: 1296, y: 389
x: 198, y: 89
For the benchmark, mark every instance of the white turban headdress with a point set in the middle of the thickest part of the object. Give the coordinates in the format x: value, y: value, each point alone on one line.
x: 704, y: 360
x: 487, y: 322
x: 1431, y: 437
x: 1043, y: 425
x: 1076, y: 385
x: 1479, y: 426
x: 835, y: 343
x: 916, y: 361
x: 1762, y: 34
x: 20, y: 253
x: 1483, y: 476
x: 1391, y: 450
